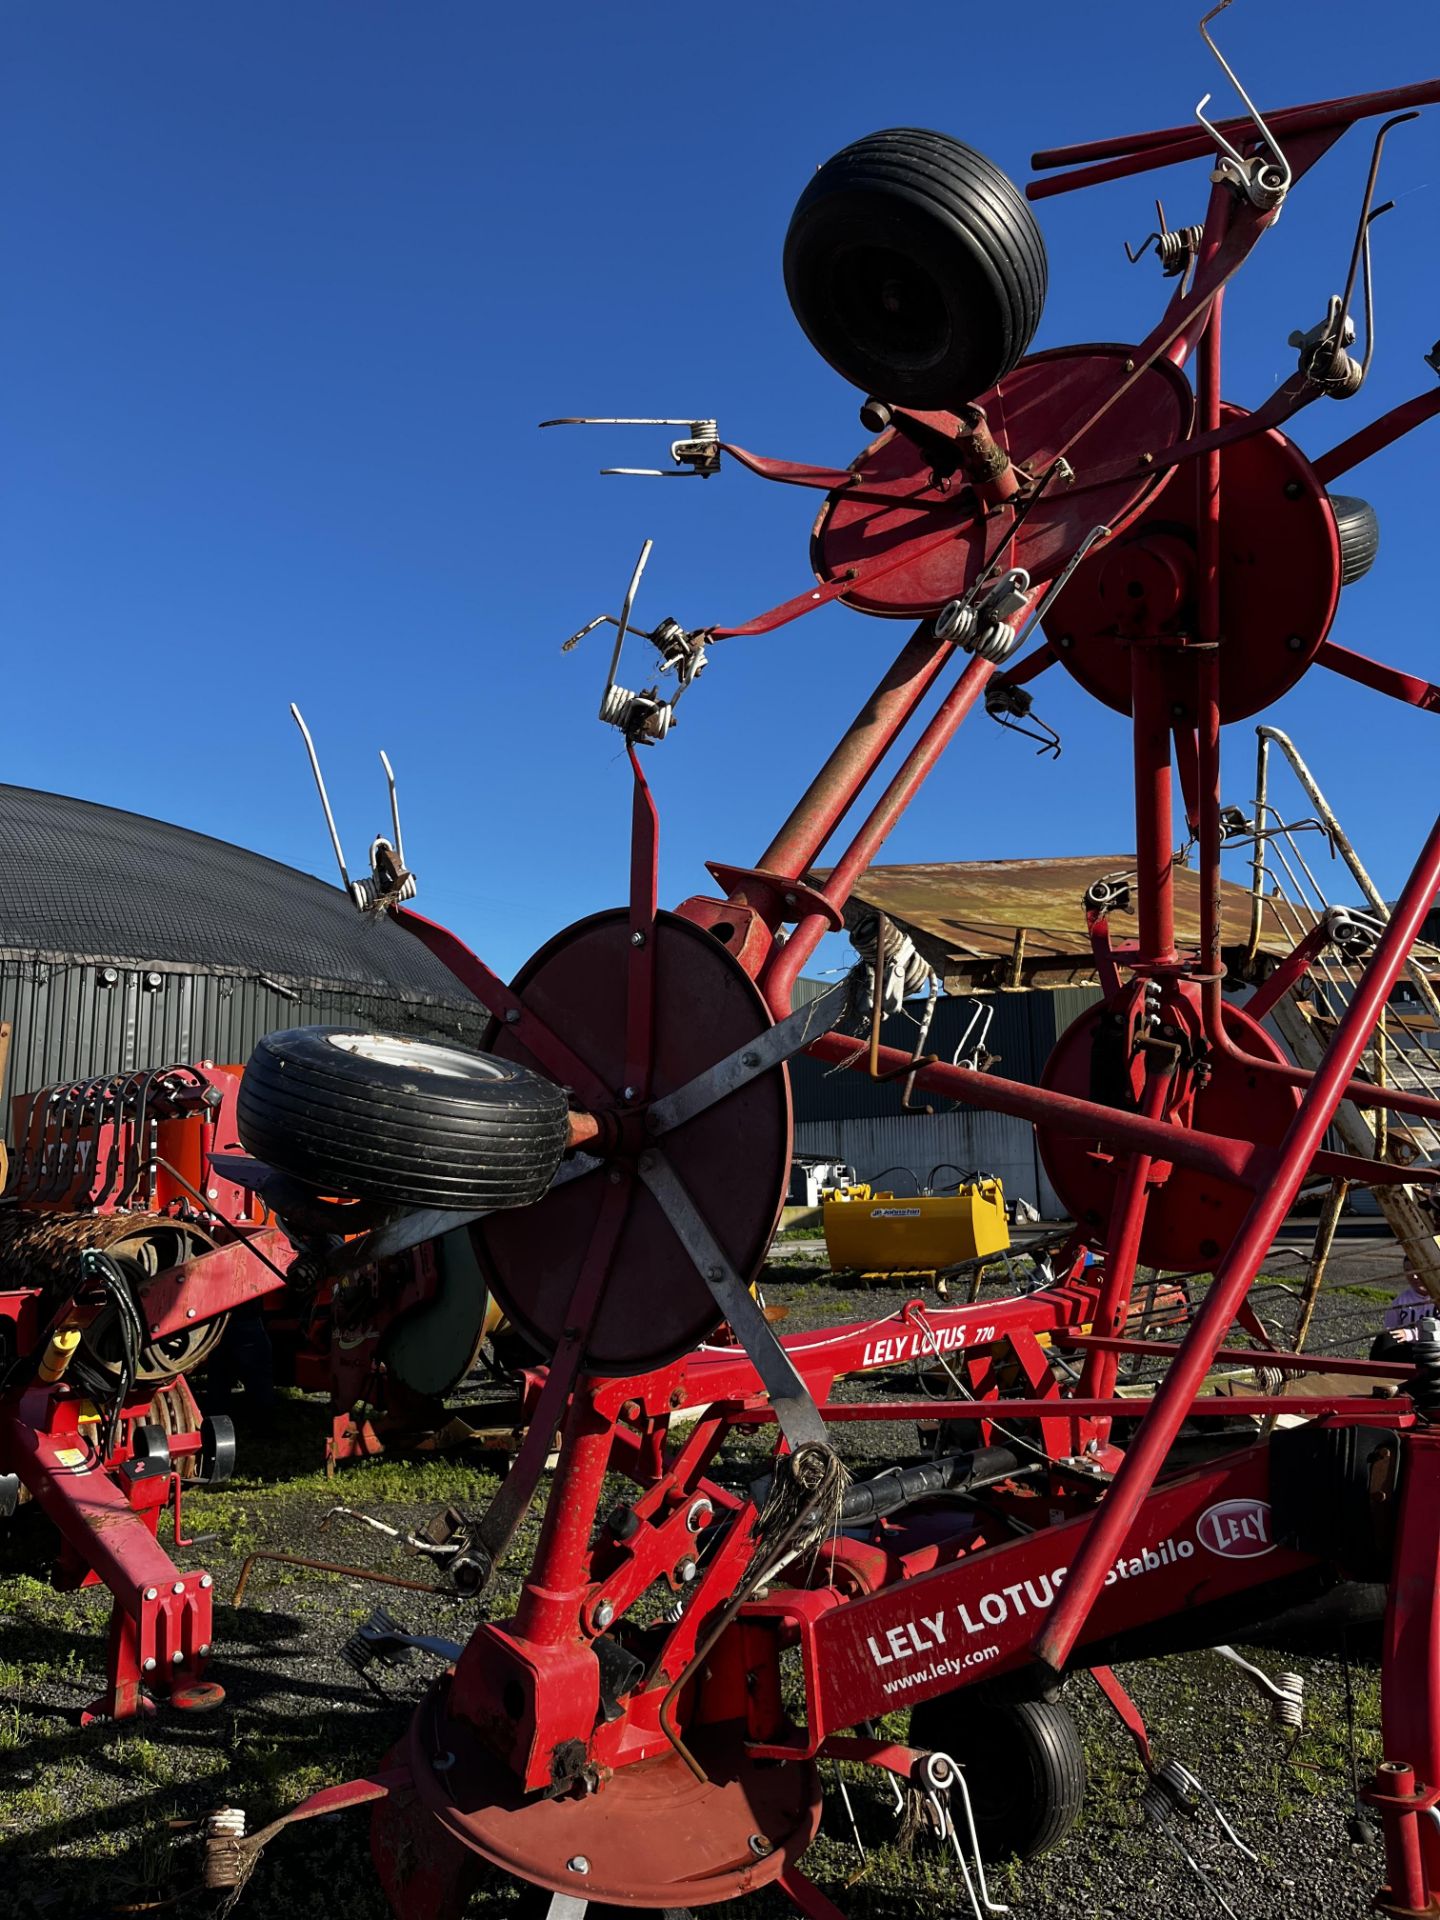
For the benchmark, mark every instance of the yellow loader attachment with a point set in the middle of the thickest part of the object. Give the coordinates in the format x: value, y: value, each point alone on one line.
x: 913, y: 1233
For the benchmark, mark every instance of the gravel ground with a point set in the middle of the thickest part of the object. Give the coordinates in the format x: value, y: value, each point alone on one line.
x: 100, y: 1821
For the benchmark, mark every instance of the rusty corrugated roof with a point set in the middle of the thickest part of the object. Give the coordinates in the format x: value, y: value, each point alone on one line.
x: 967, y: 916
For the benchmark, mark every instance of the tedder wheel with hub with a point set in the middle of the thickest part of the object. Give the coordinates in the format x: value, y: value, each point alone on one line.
x: 915, y: 268
x: 1022, y: 1762
x: 648, y: 1726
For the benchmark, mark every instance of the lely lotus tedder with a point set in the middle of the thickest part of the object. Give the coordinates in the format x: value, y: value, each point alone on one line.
x: 647, y: 1728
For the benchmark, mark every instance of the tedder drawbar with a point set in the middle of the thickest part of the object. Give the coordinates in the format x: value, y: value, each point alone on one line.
x: 647, y: 1727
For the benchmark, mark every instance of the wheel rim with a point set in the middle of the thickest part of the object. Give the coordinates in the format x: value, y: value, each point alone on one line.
x: 418, y: 1056
x: 890, y: 307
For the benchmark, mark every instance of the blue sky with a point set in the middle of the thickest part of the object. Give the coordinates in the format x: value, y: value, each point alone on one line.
x: 288, y: 287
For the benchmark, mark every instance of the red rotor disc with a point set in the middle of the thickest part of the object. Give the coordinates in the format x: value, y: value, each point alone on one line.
x: 1033, y: 413
x: 1279, y: 583
x: 651, y: 1836
x: 734, y: 1158
x: 1193, y: 1216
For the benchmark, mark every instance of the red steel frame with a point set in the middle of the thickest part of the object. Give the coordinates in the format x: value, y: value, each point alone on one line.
x: 986, y: 1598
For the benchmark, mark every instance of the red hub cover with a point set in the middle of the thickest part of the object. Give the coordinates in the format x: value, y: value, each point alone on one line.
x: 1279, y: 583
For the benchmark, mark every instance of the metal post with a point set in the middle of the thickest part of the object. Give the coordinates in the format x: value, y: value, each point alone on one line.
x: 877, y: 1000
x: 1154, y: 838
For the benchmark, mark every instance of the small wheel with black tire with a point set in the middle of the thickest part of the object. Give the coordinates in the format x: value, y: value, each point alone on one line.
x: 383, y: 1117
x: 916, y: 268
x: 1023, y: 1763
x: 1358, y: 526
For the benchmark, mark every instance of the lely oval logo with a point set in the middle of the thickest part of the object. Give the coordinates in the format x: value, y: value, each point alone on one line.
x: 1236, y: 1529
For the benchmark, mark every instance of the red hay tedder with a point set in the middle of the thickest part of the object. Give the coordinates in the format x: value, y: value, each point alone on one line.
x: 647, y: 1728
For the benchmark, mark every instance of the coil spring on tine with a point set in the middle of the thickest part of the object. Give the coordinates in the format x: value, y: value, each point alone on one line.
x: 967, y: 627
x: 1289, y: 1711
x: 626, y: 710
x: 366, y: 893
x: 1171, y: 1789
x: 996, y: 642
x: 225, y: 1855
x: 1177, y: 248
x: 617, y: 706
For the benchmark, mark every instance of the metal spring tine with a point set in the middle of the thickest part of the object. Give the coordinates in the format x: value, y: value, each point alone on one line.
x: 124, y: 1167
x: 51, y: 1149
x: 623, y: 623
x: 566, y: 1906
x: 115, y: 1094
x: 394, y: 806
x: 595, y: 420
x: 142, y: 1083
x: 1366, y: 216
x: 33, y: 1164
x: 1057, y: 586
x: 850, y: 1811
x: 299, y: 720
x: 1230, y: 1834
x: 87, y: 1118
x: 91, y: 1119
x: 946, y: 1828
x: 1195, y: 1867
x: 589, y: 627
x: 991, y: 1906
x: 1250, y: 108
x: 53, y: 1183
x: 942, y: 1772
x: 1385, y: 207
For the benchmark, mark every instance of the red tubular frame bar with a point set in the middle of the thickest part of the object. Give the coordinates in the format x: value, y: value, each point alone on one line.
x: 1132, y: 153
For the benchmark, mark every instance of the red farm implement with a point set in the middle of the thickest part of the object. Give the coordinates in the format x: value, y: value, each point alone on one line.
x: 628, y: 1138
x: 123, y: 1249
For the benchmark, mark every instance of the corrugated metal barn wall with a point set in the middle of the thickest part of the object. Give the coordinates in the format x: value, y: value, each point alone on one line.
x: 844, y: 1115
x: 68, y: 1022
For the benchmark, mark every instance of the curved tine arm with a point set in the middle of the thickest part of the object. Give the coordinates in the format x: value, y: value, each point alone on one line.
x: 1362, y: 225
x: 299, y: 720
x: 1266, y: 135
x: 623, y: 623
x: 394, y: 805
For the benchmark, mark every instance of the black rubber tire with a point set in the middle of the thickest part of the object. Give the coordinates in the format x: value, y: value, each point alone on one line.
x: 383, y: 1117
x: 915, y: 268
x: 1358, y: 526
x: 1024, y: 1766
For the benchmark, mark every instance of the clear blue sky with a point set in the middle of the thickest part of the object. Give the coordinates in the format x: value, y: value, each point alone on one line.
x: 288, y: 287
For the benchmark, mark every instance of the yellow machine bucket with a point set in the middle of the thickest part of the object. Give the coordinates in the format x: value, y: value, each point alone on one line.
x: 914, y: 1233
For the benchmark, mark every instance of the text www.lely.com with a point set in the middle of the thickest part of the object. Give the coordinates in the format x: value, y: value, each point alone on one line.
x: 941, y: 1669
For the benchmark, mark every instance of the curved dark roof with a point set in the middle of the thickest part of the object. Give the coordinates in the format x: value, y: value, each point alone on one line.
x: 85, y: 882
